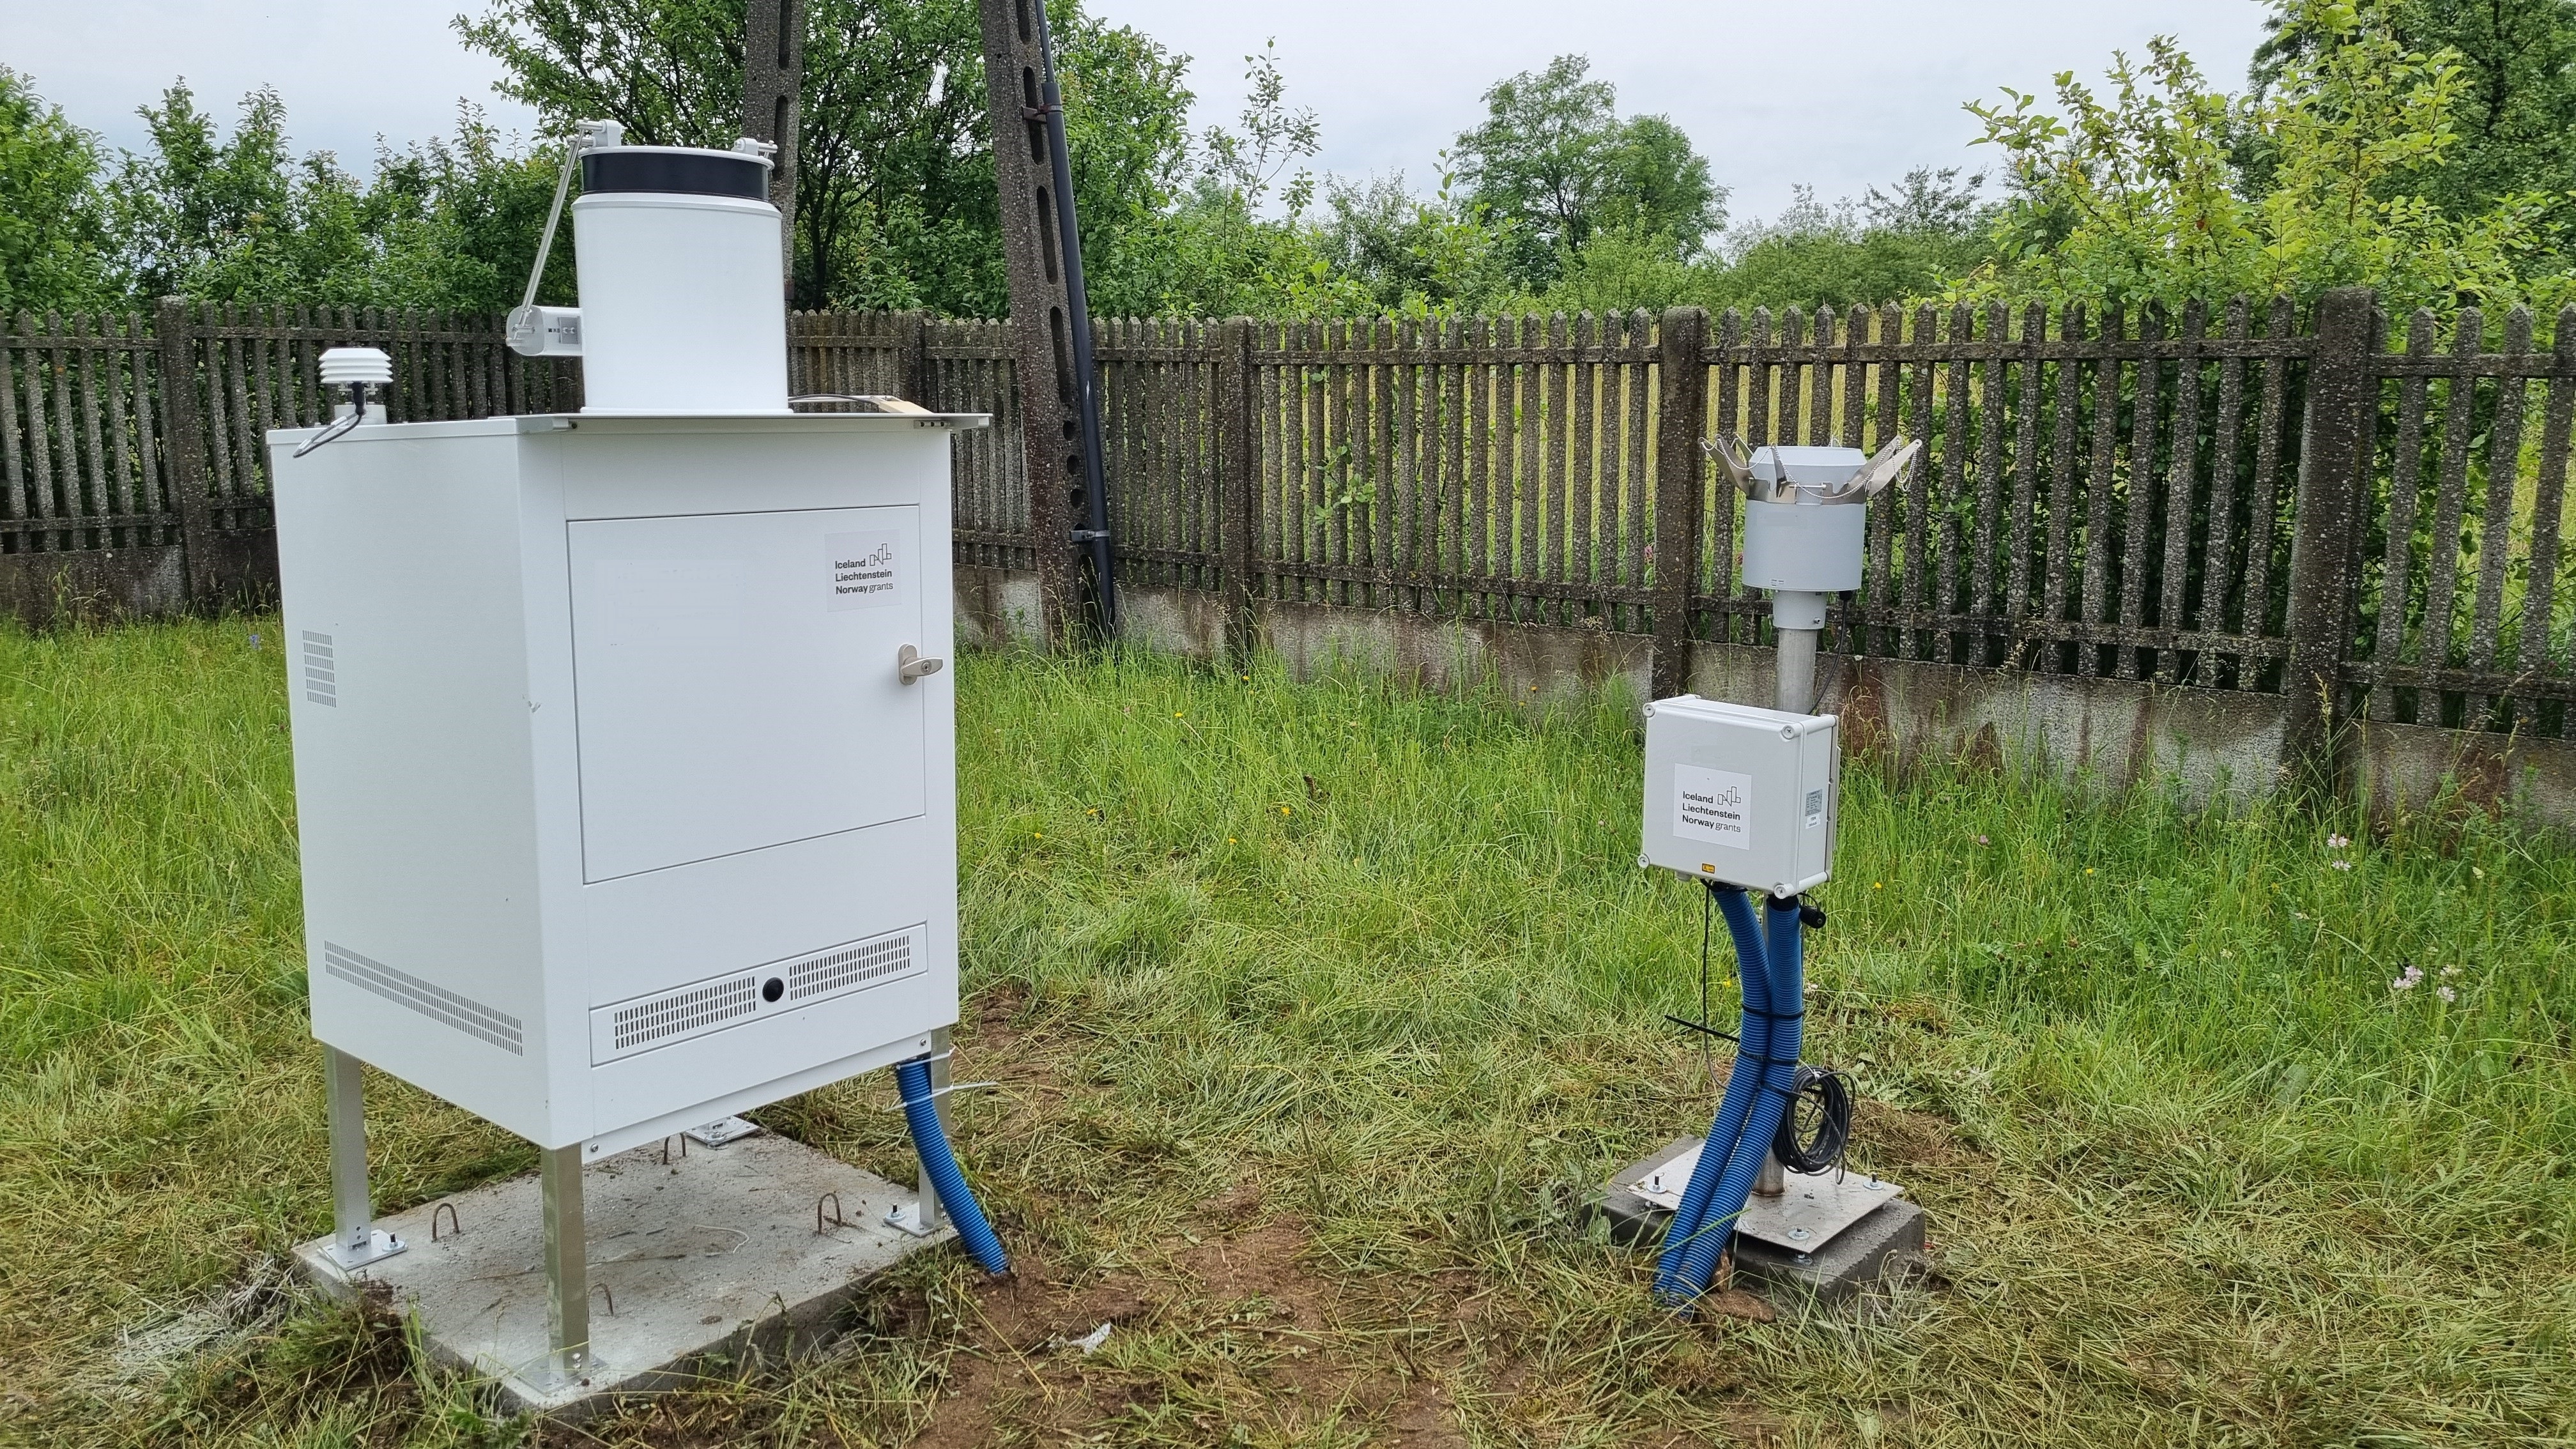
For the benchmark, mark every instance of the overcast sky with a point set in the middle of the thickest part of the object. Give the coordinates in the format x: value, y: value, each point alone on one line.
x: 1835, y: 93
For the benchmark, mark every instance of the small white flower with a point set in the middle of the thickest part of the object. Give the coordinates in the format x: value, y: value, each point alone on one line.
x: 2343, y: 865
x: 2446, y: 993
x: 2450, y: 971
x: 2337, y: 842
x: 2401, y: 983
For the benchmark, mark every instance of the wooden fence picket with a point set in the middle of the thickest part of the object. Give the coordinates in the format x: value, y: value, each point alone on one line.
x: 2102, y: 492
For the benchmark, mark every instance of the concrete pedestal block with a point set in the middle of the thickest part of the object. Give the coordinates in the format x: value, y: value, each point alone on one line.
x: 1884, y: 1243
x: 713, y: 1255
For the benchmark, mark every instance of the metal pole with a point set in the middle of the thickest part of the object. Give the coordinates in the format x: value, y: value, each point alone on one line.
x: 1793, y: 692
x: 1797, y: 617
x: 354, y: 1239
x: 934, y: 1214
x: 567, y: 1269
x: 1797, y: 664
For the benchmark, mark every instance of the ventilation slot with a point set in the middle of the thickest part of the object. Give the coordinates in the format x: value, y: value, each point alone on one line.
x: 682, y: 1013
x: 435, y: 1002
x: 321, y: 670
x: 622, y: 1029
x: 856, y: 964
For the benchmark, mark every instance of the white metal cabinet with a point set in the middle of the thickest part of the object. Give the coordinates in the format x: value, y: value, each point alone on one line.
x: 616, y: 814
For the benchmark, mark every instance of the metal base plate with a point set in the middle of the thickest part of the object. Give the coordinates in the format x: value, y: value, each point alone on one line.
x: 380, y: 1245
x: 1804, y: 1217
x: 718, y: 1133
x: 1813, y: 1209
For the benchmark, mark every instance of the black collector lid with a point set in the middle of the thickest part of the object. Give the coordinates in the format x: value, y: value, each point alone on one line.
x: 675, y: 169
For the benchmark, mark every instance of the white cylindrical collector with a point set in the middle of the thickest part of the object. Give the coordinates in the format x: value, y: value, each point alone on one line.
x: 682, y: 309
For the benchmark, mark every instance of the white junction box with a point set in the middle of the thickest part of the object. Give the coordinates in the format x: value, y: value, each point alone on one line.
x: 1741, y: 795
x: 624, y: 761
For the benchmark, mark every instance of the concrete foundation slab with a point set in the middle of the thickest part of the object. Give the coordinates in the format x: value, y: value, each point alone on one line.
x: 1875, y: 1245
x: 714, y: 1252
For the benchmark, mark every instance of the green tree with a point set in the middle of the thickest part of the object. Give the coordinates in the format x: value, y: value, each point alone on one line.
x: 2515, y: 107
x: 53, y: 234
x: 2145, y: 196
x: 895, y: 201
x: 669, y: 71
x: 1273, y: 136
x: 235, y: 218
x: 455, y: 222
x: 1409, y: 255
x: 1554, y: 163
x: 445, y: 225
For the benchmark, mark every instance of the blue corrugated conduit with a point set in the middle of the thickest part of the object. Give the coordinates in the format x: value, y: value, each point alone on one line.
x: 1690, y: 1261
x: 921, y: 1110
x: 1752, y: 968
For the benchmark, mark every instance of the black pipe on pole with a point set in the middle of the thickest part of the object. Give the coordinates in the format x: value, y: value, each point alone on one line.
x: 1093, y: 532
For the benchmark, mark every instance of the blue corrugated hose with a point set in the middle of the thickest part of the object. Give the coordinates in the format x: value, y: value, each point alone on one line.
x: 1753, y: 969
x: 920, y: 1109
x: 1776, y: 1067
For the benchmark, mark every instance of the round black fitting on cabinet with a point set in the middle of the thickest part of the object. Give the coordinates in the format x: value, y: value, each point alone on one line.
x: 772, y: 989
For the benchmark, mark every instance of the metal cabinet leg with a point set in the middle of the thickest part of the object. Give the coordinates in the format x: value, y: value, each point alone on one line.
x: 934, y: 1214
x: 567, y: 1268
x: 354, y: 1239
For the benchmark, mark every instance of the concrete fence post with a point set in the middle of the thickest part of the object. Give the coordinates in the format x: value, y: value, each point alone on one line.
x: 183, y: 448
x: 2325, y: 525
x: 1238, y: 507
x: 912, y: 361
x: 1682, y: 417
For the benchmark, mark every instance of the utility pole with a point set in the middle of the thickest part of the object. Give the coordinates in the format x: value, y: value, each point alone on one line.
x: 1050, y: 325
x: 773, y: 64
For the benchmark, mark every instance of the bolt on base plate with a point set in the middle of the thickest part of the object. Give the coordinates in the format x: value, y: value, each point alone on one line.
x: 907, y: 1217
x: 380, y: 1246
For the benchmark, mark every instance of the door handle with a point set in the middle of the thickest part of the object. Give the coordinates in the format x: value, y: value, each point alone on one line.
x: 911, y: 664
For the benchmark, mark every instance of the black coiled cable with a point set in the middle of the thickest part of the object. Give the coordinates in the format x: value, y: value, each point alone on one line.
x: 1819, y: 1100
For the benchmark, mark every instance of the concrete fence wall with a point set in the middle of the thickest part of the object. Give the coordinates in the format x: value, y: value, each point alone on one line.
x: 2212, y: 745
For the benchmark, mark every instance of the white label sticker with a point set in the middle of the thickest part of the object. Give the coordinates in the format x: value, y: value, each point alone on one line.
x: 1815, y: 808
x: 866, y: 572
x: 1713, y: 806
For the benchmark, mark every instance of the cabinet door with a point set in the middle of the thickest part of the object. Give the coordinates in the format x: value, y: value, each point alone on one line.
x: 735, y: 681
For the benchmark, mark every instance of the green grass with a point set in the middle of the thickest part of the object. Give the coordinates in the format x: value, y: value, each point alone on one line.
x: 1317, y: 1008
